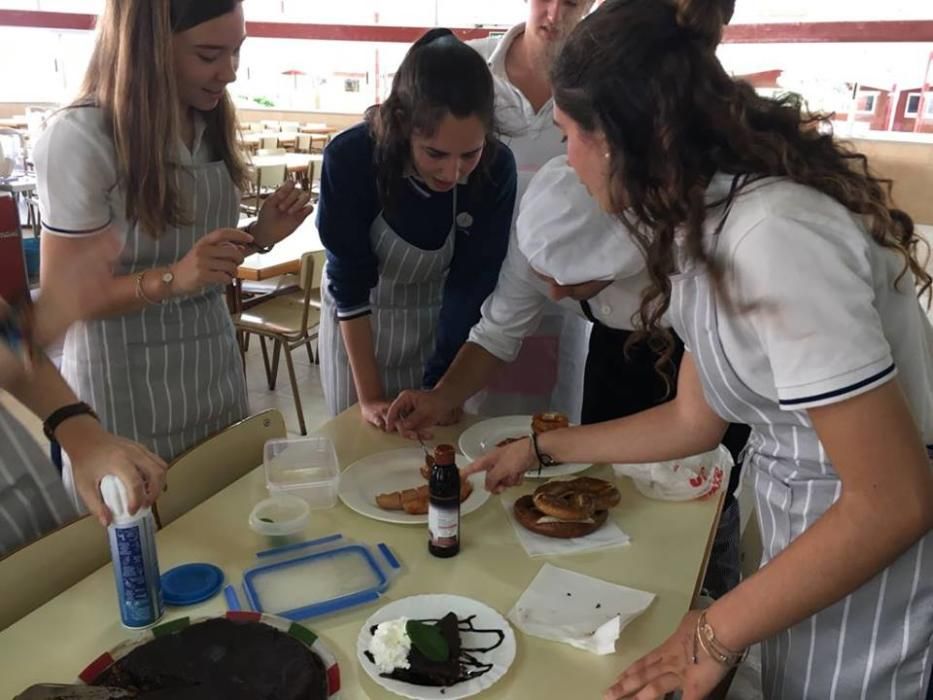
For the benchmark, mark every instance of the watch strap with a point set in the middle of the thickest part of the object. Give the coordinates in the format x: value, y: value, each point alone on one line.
x: 60, y: 415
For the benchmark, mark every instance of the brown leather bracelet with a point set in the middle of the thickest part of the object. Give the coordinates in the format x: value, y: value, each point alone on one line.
x: 60, y: 415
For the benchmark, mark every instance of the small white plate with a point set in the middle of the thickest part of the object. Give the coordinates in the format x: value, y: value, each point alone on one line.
x: 482, y: 438
x: 395, y: 470
x: 432, y: 607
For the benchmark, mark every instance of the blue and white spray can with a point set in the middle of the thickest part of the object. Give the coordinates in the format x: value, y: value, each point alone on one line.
x: 135, y: 564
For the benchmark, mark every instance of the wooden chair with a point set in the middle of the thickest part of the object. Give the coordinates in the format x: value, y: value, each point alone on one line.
x: 269, y: 142
x: 303, y: 143
x: 264, y: 180
x: 221, y: 459
x: 289, y: 321
x: 314, y: 298
x: 37, y: 572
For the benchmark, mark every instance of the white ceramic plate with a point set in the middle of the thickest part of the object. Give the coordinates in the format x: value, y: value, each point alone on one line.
x: 482, y: 438
x: 395, y: 470
x: 436, y: 606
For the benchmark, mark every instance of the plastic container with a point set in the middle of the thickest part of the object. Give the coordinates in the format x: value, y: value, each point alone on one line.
x: 303, y: 467
x: 281, y: 519
x: 135, y: 564
x: 319, y: 577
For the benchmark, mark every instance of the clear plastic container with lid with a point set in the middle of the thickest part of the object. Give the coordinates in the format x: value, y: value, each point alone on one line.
x: 303, y: 467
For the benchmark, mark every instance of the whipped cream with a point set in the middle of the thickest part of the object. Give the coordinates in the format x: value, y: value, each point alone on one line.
x: 390, y: 645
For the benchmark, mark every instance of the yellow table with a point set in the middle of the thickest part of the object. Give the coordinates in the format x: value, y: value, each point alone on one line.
x: 666, y: 556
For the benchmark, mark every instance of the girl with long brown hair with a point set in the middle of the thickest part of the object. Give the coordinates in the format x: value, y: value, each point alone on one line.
x: 415, y: 211
x: 148, y: 149
x: 796, y: 286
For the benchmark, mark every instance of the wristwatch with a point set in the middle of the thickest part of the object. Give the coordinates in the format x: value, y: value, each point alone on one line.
x: 166, y: 278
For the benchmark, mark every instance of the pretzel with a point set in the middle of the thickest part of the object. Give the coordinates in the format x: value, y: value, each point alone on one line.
x: 576, y: 499
x: 548, y: 420
x: 531, y: 518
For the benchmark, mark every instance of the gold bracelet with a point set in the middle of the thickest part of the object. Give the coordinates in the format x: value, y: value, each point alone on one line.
x: 706, y: 636
x: 140, y: 294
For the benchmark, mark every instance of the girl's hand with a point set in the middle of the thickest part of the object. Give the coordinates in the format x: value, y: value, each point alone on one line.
x: 504, y: 466
x: 281, y: 214
x: 374, y: 412
x: 213, y: 260
x: 678, y: 664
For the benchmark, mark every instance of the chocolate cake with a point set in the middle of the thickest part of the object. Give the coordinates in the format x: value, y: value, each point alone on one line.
x: 221, y: 660
x: 461, y: 663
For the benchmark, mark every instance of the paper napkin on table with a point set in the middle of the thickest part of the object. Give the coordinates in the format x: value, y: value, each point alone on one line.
x: 584, y: 612
x: 609, y: 535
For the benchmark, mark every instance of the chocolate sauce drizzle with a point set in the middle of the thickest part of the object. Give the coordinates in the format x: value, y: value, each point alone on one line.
x: 470, y: 666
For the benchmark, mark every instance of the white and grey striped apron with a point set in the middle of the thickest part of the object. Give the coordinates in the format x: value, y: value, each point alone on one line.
x: 876, y: 642
x: 406, y: 304
x: 32, y: 498
x: 169, y: 375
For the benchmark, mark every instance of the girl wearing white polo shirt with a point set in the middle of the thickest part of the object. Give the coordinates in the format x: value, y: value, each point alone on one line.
x: 795, y: 284
x: 149, y: 150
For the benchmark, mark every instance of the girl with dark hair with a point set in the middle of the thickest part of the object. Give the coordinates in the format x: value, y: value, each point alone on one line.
x: 148, y: 152
x: 415, y: 210
x: 794, y: 283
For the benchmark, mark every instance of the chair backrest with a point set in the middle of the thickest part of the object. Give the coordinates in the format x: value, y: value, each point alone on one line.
x: 306, y: 282
x: 269, y: 142
x: 320, y: 258
x: 256, y: 126
x: 303, y: 143
x: 37, y: 572
x: 269, y: 175
x: 217, y: 462
x: 271, y: 152
x: 289, y: 127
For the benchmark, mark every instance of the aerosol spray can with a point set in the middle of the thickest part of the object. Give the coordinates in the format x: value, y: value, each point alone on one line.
x: 135, y: 565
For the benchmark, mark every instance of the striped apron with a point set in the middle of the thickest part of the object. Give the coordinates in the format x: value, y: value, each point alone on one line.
x: 876, y: 642
x: 32, y: 498
x: 406, y: 304
x: 169, y: 375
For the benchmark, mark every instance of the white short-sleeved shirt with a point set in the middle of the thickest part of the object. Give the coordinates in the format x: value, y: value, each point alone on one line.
x: 534, y: 140
x: 828, y: 321
x: 76, y: 166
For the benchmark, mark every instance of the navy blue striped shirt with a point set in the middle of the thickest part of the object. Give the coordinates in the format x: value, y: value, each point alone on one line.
x: 350, y: 203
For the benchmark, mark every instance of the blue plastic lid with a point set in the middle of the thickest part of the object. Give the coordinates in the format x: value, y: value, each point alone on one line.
x: 191, y: 583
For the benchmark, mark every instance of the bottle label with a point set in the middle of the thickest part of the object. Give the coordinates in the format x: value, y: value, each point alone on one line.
x: 136, y: 570
x: 444, y: 524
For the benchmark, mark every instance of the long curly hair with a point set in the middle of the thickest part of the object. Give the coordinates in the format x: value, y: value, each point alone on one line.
x: 439, y: 75
x: 645, y: 74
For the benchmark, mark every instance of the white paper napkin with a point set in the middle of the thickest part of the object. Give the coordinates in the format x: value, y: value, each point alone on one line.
x: 609, y: 535
x: 584, y: 612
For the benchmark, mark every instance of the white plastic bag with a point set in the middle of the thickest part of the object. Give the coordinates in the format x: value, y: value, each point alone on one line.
x: 680, y: 479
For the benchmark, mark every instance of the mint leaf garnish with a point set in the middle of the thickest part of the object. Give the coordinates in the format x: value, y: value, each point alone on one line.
x: 428, y: 640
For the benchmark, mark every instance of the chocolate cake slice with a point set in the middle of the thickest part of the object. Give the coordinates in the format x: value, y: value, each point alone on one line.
x: 424, y: 671
x: 224, y: 660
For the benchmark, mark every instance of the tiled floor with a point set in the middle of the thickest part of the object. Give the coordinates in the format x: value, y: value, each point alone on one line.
x: 309, y: 389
